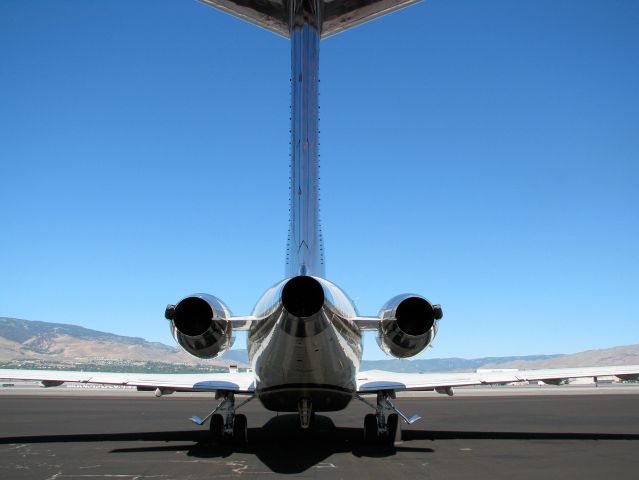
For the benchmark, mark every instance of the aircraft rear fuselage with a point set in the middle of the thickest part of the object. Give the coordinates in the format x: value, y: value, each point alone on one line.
x: 305, y: 346
x: 314, y: 356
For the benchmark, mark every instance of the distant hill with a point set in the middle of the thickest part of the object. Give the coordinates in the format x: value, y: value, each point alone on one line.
x: 55, y: 343
x: 447, y: 364
x: 622, y: 355
x: 32, y: 344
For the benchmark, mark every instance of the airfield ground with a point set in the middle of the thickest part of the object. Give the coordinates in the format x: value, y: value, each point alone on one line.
x: 518, y: 432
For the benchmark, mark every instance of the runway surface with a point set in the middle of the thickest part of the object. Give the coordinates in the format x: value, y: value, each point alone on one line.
x: 136, y: 436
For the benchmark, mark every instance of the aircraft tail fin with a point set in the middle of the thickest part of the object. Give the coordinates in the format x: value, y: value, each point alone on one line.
x: 337, y: 15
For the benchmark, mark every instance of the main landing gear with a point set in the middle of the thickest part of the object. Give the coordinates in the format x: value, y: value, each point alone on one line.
x: 381, y: 429
x: 226, y: 425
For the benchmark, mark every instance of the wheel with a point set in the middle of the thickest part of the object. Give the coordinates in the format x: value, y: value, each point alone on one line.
x: 392, y: 424
x: 370, y: 428
x: 216, y: 426
x: 240, y: 431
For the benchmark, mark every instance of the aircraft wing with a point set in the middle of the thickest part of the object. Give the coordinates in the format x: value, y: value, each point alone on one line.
x: 376, y: 380
x: 241, y: 382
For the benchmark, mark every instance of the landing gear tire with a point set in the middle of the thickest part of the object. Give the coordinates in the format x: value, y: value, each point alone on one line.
x: 370, y: 428
x: 216, y: 427
x: 240, y: 430
x: 392, y: 425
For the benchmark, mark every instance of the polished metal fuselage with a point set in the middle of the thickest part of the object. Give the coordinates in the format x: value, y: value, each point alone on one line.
x: 315, y: 357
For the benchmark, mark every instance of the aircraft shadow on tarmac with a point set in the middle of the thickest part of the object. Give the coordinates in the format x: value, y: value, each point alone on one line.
x: 285, y: 448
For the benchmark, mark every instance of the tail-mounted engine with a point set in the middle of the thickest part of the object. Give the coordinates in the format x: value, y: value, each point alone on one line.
x: 408, y: 325
x: 201, y: 325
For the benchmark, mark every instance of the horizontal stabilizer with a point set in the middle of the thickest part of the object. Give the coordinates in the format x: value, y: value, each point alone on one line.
x: 269, y: 14
x: 340, y: 15
x: 337, y: 15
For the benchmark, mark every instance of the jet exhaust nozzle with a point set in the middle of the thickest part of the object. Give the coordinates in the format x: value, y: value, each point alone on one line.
x: 200, y: 325
x: 303, y: 296
x: 415, y: 316
x: 408, y: 326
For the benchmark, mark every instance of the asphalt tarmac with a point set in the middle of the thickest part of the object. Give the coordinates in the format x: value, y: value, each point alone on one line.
x: 137, y: 436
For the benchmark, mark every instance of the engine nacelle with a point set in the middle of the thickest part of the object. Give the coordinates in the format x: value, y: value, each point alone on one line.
x: 201, y: 325
x: 408, y: 326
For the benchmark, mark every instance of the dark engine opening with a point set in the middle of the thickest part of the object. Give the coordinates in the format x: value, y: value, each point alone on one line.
x: 302, y: 296
x: 193, y: 316
x: 415, y: 316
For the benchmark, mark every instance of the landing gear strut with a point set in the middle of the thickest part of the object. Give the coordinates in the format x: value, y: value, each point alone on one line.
x: 226, y: 425
x: 305, y: 410
x: 381, y: 429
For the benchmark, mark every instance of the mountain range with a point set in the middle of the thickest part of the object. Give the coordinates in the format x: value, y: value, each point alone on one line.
x: 36, y: 344
x: 31, y: 344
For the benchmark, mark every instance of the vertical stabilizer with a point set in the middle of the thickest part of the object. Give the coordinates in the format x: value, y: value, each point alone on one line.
x: 306, y: 22
x: 305, y: 251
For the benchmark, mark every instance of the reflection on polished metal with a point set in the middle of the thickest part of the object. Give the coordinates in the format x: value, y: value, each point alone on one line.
x: 305, y: 252
x: 337, y: 15
x: 305, y: 354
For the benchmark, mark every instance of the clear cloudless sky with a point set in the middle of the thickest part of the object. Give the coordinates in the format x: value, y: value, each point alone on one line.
x: 483, y: 154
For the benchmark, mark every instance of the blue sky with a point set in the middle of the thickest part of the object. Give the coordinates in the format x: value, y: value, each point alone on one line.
x: 483, y: 154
